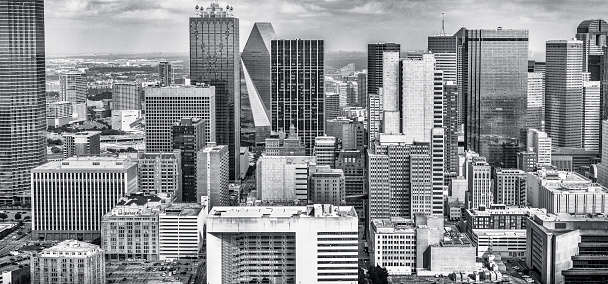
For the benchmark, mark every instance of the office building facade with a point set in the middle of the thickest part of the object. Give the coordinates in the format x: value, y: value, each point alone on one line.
x: 161, y: 174
x: 215, y: 60
x: 509, y: 186
x: 126, y: 96
x: 591, y: 115
x: 212, y: 170
x: 69, y: 262
x: 313, y: 244
x: 536, y: 101
x: 188, y: 135
x: 81, y: 144
x: 167, y: 106
x: 283, y: 178
x: 564, y: 93
x: 495, y: 103
x: 297, y: 102
x: 95, y: 185
x: 73, y: 86
x: 255, y: 60
x: 23, y: 99
x: 130, y: 229
x: 327, y: 186
x: 165, y: 74
x: 180, y: 228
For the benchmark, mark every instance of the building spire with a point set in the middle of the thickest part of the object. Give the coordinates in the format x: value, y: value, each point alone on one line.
x: 442, y: 24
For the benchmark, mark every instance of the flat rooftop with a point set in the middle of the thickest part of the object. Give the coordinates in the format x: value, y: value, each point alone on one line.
x: 317, y: 210
x: 184, y: 209
x: 88, y: 163
x: 71, y: 246
x: 565, y: 217
x: 508, y: 211
x: 393, y: 226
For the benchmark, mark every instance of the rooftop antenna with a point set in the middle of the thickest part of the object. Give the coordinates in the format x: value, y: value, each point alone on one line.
x: 442, y: 24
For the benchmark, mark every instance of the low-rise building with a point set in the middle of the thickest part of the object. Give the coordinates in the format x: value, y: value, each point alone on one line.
x: 181, y: 227
x: 309, y: 244
x: 392, y: 245
x: 499, y: 230
x: 130, y: 230
x: 69, y: 262
x: 327, y: 186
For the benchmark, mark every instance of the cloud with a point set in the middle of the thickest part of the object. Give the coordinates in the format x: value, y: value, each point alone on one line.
x: 115, y: 25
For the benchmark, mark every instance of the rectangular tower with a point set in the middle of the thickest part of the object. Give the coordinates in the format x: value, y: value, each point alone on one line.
x: 564, y: 92
x: 69, y: 197
x: 212, y: 175
x: 492, y: 80
x: 22, y: 96
x: 168, y: 105
x: 188, y: 135
x: 165, y: 73
x: 126, y: 96
x: 297, y: 96
x: 215, y: 60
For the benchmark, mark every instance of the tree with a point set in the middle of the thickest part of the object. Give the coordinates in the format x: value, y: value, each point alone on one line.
x: 362, y: 276
x: 55, y: 149
x: 18, y: 216
x: 3, y: 216
x: 378, y: 275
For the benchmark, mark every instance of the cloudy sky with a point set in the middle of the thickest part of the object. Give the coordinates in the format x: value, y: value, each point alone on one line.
x: 131, y: 26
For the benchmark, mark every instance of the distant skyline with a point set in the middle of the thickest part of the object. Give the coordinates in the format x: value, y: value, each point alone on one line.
x: 139, y: 26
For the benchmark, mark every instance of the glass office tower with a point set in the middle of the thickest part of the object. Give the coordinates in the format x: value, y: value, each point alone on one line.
x: 494, y: 74
x: 297, y: 96
x: 22, y: 96
x: 215, y: 60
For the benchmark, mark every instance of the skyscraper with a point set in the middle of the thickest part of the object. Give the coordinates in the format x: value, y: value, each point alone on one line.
x: 593, y: 34
x: 294, y: 99
x: 168, y: 105
x: 450, y: 124
x: 492, y: 80
x: 536, y: 101
x: 479, y: 176
x: 591, y: 115
x: 256, y: 67
x: 188, y: 135
x: 215, y: 60
x: 375, y: 63
x: 73, y: 86
x: 165, y: 73
x: 401, y: 181
x: 422, y: 114
x: 375, y: 97
x: 22, y: 96
x: 564, y: 92
x: 390, y: 100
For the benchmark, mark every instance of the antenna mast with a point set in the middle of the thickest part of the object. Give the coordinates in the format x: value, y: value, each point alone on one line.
x: 442, y: 24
